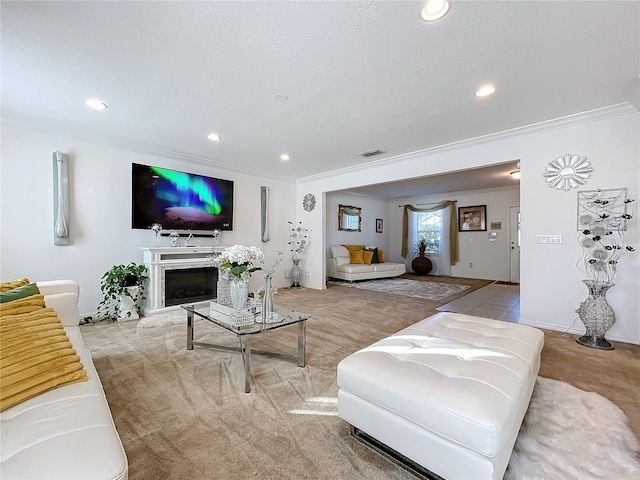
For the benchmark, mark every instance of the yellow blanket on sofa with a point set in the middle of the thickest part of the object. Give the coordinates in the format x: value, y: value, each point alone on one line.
x: 35, y: 352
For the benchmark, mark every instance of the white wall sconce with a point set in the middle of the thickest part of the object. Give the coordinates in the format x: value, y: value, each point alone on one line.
x: 60, y: 199
x: 264, y: 214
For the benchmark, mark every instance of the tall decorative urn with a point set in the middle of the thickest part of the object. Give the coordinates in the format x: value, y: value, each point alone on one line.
x: 596, y: 315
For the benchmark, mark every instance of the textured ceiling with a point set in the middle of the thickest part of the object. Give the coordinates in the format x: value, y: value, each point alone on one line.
x: 359, y: 75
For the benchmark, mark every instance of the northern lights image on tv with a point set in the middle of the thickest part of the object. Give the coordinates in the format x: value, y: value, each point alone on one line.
x: 180, y: 200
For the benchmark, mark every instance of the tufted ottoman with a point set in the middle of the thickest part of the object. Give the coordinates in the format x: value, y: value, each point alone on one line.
x: 448, y: 393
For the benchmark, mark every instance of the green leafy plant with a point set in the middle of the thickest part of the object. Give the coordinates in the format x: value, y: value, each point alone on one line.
x: 113, y: 286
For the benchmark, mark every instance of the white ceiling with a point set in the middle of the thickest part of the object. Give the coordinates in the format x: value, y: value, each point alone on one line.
x: 358, y: 75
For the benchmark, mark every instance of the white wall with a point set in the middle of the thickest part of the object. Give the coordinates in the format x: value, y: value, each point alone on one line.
x: 100, y: 218
x: 551, y: 287
x: 490, y: 259
x: 372, y: 209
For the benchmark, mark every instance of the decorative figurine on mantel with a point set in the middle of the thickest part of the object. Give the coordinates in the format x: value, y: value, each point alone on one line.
x: 298, y: 240
x: 156, y: 228
x: 602, y: 218
x: 216, y: 236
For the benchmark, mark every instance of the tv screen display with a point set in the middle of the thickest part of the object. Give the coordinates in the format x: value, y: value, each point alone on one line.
x: 180, y: 201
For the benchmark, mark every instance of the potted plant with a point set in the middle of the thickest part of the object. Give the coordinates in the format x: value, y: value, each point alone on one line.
x: 421, y: 265
x: 123, y: 290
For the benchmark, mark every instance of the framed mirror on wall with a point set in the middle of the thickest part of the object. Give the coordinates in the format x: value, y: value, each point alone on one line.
x: 349, y: 218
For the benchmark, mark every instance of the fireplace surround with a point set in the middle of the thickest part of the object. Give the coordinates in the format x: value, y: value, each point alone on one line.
x: 178, y: 275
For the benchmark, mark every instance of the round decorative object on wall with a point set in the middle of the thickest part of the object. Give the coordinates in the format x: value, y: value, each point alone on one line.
x: 567, y: 172
x: 309, y: 202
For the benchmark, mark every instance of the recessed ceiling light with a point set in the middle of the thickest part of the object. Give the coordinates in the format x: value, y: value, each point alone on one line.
x: 214, y: 137
x: 281, y: 97
x: 96, y: 104
x: 434, y: 9
x: 284, y: 156
x: 485, y: 90
x: 515, y: 174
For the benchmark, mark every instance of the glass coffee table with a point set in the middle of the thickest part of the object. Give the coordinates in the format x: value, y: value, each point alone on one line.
x: 244, y: 333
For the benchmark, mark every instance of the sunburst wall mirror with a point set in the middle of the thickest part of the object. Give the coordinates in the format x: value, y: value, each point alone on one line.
x: 567, y: 172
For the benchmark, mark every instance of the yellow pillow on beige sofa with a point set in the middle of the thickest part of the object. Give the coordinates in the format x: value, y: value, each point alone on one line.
x: 35, y: 355
x: 356, y: 257
x: 368, y: 256
x: 353, y: 248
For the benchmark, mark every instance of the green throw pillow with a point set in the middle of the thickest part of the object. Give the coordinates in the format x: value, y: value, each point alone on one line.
x: 18, y: 293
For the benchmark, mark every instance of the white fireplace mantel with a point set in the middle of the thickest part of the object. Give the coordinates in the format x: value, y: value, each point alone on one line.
x: 160, y: 259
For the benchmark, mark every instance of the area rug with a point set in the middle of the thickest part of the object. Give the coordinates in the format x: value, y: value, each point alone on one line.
x: 171, y: 317
x: 570, y: 433
x: 409, y: 288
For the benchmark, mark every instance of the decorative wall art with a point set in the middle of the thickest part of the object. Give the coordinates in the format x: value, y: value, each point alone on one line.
x: 472, y: 219
x: 378, y: 225
x: 309, y: 202
x: 567, y: 172
x: 496, y: 225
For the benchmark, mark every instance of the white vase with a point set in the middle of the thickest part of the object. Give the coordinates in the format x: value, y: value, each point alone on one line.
x: 239, y: 291
x: 127, y: 309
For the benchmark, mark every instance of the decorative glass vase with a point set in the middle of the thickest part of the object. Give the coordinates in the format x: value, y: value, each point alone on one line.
x: 268, y: 314
x: 239, y: 292
x: 596, y: 315
x: 223, y: 292
x: 296, y: 273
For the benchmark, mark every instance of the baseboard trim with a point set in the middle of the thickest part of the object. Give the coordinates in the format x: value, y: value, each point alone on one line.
x: 576, y: 331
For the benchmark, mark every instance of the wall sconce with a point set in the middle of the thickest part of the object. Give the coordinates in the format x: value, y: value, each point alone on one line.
x: 60, y: 199
x: 264, y: 217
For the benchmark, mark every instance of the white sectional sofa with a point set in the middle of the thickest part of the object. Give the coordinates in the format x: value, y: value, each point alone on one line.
x: 448, y: 393
x: 339, y: 266
x: 68, y: 432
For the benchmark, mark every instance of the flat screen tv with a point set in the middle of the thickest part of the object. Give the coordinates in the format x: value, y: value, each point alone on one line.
x: 180, y: 201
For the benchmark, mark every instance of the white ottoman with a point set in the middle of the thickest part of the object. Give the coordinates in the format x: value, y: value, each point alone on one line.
x: 449, y: 392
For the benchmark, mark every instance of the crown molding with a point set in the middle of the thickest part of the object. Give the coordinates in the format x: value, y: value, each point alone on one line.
x: 547, y: 125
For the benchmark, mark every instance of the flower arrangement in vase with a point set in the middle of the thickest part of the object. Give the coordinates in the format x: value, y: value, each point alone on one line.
x: 239, y: 260
x: 603, y: 222
x: 298, y: 240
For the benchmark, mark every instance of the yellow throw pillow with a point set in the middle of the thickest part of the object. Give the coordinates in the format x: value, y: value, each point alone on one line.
x: 353, y: 248
x: 355, y: 256
x: 11, y: 284
x: 367, y: 256
x: 380, y: 256
x: 35, y: 356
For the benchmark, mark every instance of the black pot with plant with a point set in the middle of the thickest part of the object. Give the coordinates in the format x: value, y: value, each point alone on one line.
x: 113, y: 286
x: 421, y: 265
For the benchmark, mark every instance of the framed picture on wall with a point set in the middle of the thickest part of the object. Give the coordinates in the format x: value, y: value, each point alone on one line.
x: 472, y: 219
x: 378, y: 225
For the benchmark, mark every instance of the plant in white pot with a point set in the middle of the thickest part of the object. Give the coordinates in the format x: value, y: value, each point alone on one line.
x: 123, y: 291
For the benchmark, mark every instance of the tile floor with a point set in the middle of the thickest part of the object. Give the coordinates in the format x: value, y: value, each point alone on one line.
x: 501, y: 302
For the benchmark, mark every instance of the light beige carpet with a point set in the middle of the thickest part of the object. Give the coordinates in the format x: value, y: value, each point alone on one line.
x: 184, y: 414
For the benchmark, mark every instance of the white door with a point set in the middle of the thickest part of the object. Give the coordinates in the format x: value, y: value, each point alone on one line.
x: 514, y: 244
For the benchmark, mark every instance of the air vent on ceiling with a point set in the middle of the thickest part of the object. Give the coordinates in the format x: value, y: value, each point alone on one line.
x: 371, y: 153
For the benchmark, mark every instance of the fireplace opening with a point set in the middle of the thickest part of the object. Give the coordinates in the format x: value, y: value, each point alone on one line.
x: 189, y: 285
